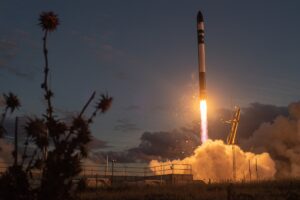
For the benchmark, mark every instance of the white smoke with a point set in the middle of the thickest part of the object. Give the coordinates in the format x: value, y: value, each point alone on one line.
x: 213, y: 161
x: 281, y: 139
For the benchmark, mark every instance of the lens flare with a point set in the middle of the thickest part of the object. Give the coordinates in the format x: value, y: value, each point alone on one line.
x: 203, y: 121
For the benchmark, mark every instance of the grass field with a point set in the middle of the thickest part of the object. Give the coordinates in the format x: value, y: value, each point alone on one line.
x: 265, y: 190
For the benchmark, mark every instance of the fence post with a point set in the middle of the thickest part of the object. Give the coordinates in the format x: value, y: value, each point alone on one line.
x: 161, y: 170
x: 96, y: 182
x: 112, y: 171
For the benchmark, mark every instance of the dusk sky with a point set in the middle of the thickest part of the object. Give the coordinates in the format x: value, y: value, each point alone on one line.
x: 144, y: 54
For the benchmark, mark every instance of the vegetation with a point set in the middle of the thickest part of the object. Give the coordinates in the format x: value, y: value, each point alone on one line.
x: 53, y: 147
x: 265, y: 190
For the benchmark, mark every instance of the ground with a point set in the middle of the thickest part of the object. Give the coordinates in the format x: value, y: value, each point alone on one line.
x: 264, y: 190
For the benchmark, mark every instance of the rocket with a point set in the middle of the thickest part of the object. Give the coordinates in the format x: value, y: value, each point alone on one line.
x: 201, y: 56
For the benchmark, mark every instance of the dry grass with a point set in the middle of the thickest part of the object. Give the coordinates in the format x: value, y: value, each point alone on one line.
x: 267, y: 190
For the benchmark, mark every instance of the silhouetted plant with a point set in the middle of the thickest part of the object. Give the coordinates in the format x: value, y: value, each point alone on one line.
x: 102, y: 105
x: 14, y: 184
x: 52, y: 146
x: 12, y: 103
x: 49, y: 22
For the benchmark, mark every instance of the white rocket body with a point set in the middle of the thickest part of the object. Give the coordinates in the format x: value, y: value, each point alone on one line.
x: 201, y: 56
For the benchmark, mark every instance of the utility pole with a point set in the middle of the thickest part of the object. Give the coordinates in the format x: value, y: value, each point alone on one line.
x: 233, y: 163
x: 256, y: 169
x: 249, y: 170
x: 106, y: 167
x: 112, y: 171
x: 16, y: 143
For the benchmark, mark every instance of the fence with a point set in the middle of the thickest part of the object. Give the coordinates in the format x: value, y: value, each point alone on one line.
x: 117, y: 173
x: 133, y: 169
x: 127, y: 169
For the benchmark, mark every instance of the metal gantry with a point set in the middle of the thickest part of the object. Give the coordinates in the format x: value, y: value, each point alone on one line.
x: 231, y: 139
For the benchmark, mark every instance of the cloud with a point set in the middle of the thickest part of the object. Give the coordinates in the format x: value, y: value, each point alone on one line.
x: 251, y: 118
x: 175, y: 144
x: 166, y: 145
x: 124, y: 125
x: 97, y: 144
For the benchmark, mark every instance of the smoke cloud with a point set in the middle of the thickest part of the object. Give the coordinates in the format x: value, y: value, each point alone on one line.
x: 281, y: 138
x: 213, y: 161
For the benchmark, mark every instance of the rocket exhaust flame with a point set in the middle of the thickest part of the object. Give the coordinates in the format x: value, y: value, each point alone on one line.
x: 203, y: 121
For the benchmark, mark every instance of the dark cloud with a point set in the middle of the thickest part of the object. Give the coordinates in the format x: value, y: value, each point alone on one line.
x: 257, y: 113
x: 251, y: 118
x: 97, y: 144
x: 124, y: 125
x: 175, y: 144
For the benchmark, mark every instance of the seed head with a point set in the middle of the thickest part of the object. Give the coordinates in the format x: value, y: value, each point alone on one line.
x: 48, y: 21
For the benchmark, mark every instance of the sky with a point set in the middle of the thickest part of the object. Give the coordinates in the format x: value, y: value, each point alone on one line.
x: 144, y: 54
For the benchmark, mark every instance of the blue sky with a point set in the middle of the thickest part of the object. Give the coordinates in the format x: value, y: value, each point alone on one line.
x: 144, y: 53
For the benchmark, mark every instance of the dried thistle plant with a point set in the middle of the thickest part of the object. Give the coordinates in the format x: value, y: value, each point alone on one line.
x: 12, y: 103
x: 48, y: 21
x: 58, y: 146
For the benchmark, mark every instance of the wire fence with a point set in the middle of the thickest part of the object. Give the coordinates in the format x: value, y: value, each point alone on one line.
x: 131, y: 169
x: 126, y: 169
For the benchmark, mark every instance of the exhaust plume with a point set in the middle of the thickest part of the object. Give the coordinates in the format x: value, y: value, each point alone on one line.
x: 203, y: 123
x: 213, y: 161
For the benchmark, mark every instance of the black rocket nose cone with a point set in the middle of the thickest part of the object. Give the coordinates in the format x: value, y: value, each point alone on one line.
x: 199, y: 17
